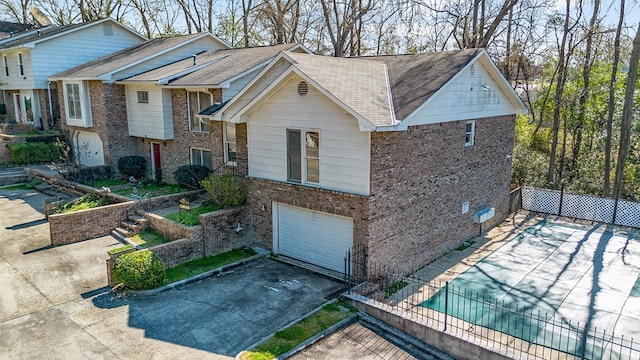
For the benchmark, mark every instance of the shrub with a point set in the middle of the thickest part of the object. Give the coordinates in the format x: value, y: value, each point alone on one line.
x: 191, y: 176
x: 135, y: 166
x: 3, y: 109
x: 226, y: 190
x: 38, y: 152
x: 88, y: 201
x: 139, y: 270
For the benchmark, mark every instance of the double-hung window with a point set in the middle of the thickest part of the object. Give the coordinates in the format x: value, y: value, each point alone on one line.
x: 303, y: 156
x: 198, y: 101
x: 230, y: 143
x: 469, y: 133
x: 74, y: 109
x: 20, y: 64
x: 201, y: 157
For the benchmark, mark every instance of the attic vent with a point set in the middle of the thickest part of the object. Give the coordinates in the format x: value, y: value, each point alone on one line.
x: 107, y: 29
x: 472, y: 69
x: 303, y: 88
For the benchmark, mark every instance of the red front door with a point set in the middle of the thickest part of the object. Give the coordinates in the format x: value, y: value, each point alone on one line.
x: 155, y: 159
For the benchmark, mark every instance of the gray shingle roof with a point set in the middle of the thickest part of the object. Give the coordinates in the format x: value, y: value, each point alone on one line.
x: 112, y: 62
x: 211, y: 67
x: 359, y: 83
x: 40, y: 34
x: 369, y: 85
x: 8, y: 29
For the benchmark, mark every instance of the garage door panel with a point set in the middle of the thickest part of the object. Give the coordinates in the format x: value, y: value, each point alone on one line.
x: 318, y: 238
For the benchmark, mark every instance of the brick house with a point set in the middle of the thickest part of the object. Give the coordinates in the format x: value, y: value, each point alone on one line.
x: 30, y: 55
x: 164, y: 106
x: 395, y: 154
x: 93, y: 106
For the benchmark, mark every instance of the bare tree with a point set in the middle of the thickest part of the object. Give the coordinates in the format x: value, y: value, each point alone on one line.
x: 627, y: 113
x: 341, y: 18
x: 16, y: 10
x: 612, y: 103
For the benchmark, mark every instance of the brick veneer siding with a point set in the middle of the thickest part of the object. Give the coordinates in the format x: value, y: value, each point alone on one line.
x: 219, y: 233
x: 265, y: 192
x: 421, y: 177
x: 109, y: 119
x: 176, y: 152
x: 86, y: 224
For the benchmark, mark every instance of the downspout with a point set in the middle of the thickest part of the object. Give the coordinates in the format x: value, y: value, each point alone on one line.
x: 50, y: 105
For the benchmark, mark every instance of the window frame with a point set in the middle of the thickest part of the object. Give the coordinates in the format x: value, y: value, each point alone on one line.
x: 229, y: 160
x: 470, y: 136
x: 201, y: 156
x: 142, y: 96
x: 5, y: 60
x: 192, y: 114
x: 68, y: 99
x: 20, y: 64
x: 303, y: 156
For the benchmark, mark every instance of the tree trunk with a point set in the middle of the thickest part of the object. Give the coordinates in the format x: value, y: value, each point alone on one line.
x: 551, y: 175
x: 627, y: 113
x: 584, y: 94
x: 612, y: 104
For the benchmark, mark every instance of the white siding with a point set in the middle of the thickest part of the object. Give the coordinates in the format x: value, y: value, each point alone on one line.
x: 68, y: 51
x: 237, y: 85
x: 151, y: 120
x: 15, y: 81
x: 466, y: 98
x: 344, y: 149
x: 168, y: 57
x: 256, y: 89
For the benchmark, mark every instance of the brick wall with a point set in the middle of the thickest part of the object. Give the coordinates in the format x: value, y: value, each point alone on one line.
x: 420, y: 179
x: 263, y: 192
x: 86, y: 224
x: 176, y: 152
x: 171, y: 229
x: 220, y: 234
x: 179, y: 251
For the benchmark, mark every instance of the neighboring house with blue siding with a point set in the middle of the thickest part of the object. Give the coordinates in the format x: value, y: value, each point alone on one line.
x: 29, y: 57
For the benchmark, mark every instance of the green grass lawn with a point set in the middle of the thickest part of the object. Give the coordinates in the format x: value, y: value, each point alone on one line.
x: 190, y: 218
x: 122, y: 187
x: 199, y: 266
x: 287, y: 339
x: 148, y: 238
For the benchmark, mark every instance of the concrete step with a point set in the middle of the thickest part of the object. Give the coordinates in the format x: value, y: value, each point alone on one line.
x: 131, y: 226
x: 125, y: 232
x: 13, y: 176
x: 367, y: 288
x: 139, y: 220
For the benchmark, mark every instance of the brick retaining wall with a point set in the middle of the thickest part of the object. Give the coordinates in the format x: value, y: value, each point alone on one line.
x: 219, y: 230
x: 86, y: 224
x: 179, y: 251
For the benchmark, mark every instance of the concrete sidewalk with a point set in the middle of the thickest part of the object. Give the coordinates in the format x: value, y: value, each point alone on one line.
x: 55, y: 304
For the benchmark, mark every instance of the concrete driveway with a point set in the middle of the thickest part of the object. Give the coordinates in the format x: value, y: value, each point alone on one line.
x: 54, y: 302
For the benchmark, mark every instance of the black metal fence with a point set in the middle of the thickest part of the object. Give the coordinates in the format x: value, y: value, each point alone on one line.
x: 519, y: 331
x: 237, y: 167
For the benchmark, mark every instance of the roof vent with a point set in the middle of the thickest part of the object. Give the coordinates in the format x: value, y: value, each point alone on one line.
x: 472, y: 69
x: 303, y: 88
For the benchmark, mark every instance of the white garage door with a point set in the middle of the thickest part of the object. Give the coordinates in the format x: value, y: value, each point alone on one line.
x: 88, y: 148
x: 315, y: 237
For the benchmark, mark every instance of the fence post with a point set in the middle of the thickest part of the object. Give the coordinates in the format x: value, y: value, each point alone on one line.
x: 347, y: 270
x: 561, y: 200
x: 446, y: 303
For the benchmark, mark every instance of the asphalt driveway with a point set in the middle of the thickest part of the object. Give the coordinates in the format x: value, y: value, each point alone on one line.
x: 54, y: 302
